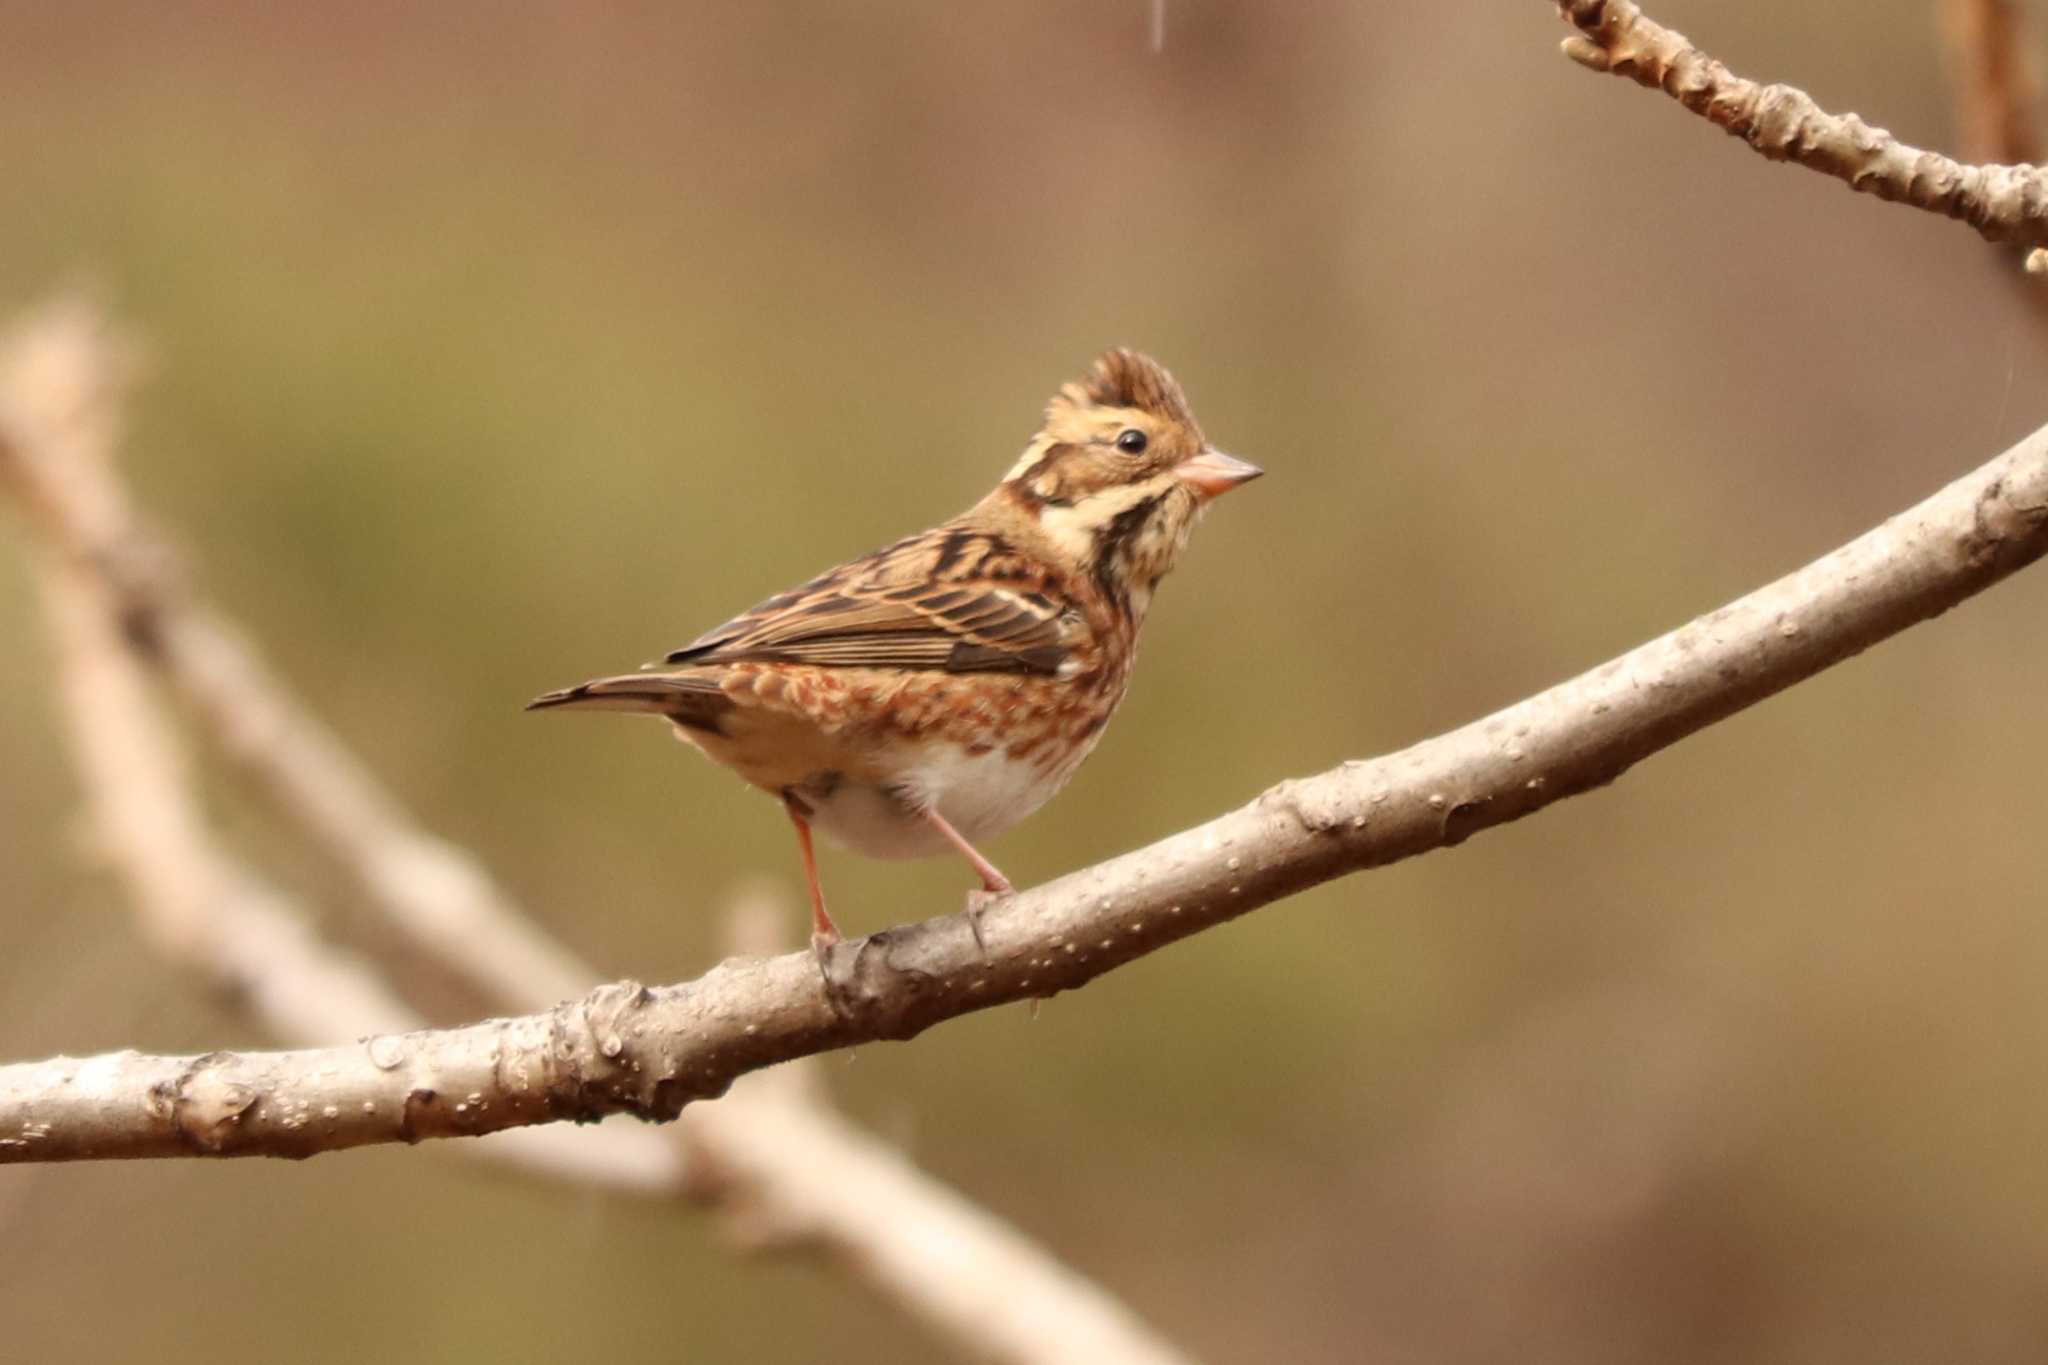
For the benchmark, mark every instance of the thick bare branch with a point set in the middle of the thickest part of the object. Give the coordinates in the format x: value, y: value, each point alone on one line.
x: 650, y: 1052
x: 2004, y: 203
x: 778, y: 1164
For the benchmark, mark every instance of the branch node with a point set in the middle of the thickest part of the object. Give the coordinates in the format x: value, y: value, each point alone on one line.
x: 1317, y: 806
x: 386, y: 1050
x: 204, y: 1107
x: 1587, y: 53
x: 873, y: 984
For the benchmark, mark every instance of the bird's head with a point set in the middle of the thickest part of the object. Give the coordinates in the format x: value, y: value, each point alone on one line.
x: 1119, y: 474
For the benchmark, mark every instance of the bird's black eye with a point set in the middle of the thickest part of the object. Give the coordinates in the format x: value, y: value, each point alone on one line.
x: 1131, y: 441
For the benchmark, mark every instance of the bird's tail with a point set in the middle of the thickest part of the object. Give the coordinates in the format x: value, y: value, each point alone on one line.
x: 688, y: 697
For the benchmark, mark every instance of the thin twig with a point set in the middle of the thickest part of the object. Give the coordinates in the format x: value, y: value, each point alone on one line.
x: 2004, y: 203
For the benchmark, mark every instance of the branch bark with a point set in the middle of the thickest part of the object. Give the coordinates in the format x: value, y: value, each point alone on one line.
x: 628, y: 1048
x: 2006, y: 204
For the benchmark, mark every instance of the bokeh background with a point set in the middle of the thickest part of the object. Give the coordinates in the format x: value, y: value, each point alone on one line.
x: 495, y: 346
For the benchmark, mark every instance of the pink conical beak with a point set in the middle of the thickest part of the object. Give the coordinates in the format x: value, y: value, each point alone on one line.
x: 1212, y: 473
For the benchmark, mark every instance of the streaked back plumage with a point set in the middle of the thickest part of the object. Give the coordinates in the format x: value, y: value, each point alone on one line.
x: 967, y: 669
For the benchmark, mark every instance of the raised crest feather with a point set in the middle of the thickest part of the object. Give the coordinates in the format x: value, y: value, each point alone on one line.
x: 1123, y: 378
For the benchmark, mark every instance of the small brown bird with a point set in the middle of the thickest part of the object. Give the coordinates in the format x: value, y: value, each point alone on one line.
x: 938, y: 691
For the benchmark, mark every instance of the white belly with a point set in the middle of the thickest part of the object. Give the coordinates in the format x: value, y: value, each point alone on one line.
x: 980, y: 796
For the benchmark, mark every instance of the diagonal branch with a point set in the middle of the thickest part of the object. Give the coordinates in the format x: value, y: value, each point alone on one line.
x: 2004, y: 203
x: 649, y: 1052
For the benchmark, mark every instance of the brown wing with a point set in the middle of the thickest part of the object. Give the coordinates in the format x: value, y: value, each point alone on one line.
x: 954, y: 600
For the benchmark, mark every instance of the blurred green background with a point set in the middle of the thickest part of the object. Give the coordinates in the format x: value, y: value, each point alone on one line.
x: 495, y: 346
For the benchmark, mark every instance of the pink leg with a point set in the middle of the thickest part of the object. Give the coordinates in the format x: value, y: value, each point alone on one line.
x: 824, y: 933
x: 994, y: 882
